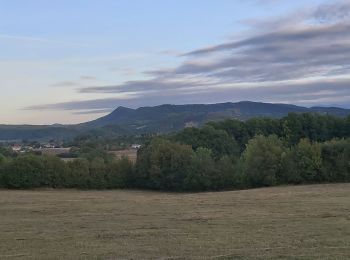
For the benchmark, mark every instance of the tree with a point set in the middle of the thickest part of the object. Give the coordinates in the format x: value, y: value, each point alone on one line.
x: 315, y: 127
x: 78, y: 175
x: 263, y: 126
x: 236, y: 129
x: 304, y: 163
x: 203, y: 171
x: 55, y: 171
x: 336, y: 160
x: 120, y: 173
x: 262, y: 160
x: 97, y: 170
x: 218, y: 141
x: 292, y: 128
x: 229, y: 173
x: 24, y: 172
x: 2, y: 158
x: 309, y: 161
x: 2, y: 167
x: 163, y: 165
x: 6, y: 152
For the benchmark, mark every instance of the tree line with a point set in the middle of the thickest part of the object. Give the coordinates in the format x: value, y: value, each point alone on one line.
x: 232, y: 154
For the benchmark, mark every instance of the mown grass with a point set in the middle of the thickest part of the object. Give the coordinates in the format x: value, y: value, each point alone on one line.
x: 304, y: 222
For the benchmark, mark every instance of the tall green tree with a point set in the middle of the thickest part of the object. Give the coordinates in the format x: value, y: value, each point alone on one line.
x: 78, y: 175
x: 120, y: 174
x: 236, y: 129
x: 309, y: 161
x: 336, y: 160
x: 25, y: 172
x: 203, y: 171
x: 98, y: 173
x: 304, y: 163
x: 55, y: 171
x: 163, y: 165
x: 217, y: 140
x: 262, y: 160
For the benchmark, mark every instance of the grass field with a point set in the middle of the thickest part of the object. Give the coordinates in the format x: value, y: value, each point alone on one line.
x: 129, y: 153
x: 304, y: 222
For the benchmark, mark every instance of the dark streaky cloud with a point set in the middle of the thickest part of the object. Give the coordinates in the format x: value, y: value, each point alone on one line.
x: 306, y: 63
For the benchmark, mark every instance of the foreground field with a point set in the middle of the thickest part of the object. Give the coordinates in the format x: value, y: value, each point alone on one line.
x: 286, y: 222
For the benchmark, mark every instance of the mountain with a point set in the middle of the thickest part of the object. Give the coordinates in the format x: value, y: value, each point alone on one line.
x: 161, y: 119
x: 335, y: 111
x: 165, y: 118
x: 36, y: 132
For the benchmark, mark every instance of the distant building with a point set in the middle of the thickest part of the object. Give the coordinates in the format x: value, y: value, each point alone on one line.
x: 136, y: 146
x: 48, y: 145
x: 27, y: 148
x: 16, y: 148
x: 191, y: 124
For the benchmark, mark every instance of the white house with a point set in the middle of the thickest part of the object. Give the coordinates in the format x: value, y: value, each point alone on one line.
x: 16, y: 148
x: 135, y: 146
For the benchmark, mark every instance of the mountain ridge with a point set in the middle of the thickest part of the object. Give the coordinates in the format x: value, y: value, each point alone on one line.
x: 240, y: 110
x: 163, y: 118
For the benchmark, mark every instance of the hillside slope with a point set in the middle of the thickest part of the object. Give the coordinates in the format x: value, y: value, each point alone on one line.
x: 162, y: 119
x: 166, y: 118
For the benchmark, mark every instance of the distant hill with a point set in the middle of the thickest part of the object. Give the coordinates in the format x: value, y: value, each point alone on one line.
x: 33, y: 132
x: 166, y: 118
x: 162, y: 119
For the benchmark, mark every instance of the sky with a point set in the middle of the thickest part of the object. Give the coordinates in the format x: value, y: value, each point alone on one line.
x: 64, y: 61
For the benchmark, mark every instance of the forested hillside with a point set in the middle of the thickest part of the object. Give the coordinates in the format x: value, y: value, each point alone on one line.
x: 161, y: 119
x: 232, y: 154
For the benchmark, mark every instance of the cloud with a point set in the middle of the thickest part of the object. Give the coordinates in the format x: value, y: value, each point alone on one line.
x: 38, y: 40
x: 304, y: 93
x: 333, y: 12
x: 146, y: 86
x: 96, y: 104
x: 305, y: 62
x: 75, y: 83
x: 94, y: 111
x: 65, y: 84
x: 86, y: 77
x: 170, y: 52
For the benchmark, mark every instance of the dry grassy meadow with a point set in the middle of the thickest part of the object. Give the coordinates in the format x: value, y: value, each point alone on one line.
x: 304, y: 222
x: 129, y: 153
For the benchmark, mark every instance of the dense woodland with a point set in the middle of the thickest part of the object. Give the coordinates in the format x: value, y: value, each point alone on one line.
x: 231, y: 154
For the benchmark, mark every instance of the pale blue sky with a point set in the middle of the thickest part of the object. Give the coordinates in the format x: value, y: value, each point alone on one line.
x: 60, y: 59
